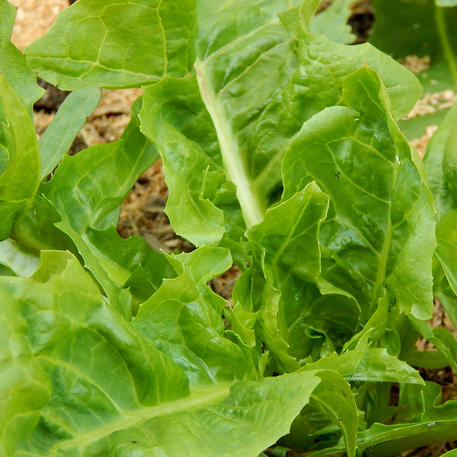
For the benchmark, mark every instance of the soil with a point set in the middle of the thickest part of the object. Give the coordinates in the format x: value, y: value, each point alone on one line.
x: 142, y: 212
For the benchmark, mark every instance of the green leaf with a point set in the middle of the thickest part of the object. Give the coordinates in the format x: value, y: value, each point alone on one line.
x: 230, y: 122
x: 435, y: 423
x: 67, y: 123
x: 194, y: 172
x: 12, y: 62
x: 334, y: 397
x: 294, y: 316
x: 86, y: 191
x: 90, y: 44
x: 97, y: 385
x: 372, y: 239
x: 183, y: 319
x: 20, y: 149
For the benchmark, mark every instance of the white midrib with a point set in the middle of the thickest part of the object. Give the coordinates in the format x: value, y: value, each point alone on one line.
x: 231, y: 157
x: 198, y: 399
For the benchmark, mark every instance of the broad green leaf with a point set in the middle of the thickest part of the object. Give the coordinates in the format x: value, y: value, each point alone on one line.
x: 98, y: 386
x: 24, y: 386
x: 372, y: 239
x: 21, y: 174
x: 12, y: 62
x: 333, y: 22
x: 180, y: 126
x: 67, y: 123
x: 116, y: 43
x: 230, y: 122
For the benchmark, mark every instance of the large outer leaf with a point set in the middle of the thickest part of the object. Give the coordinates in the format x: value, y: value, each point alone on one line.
x: 19, y: 156
x: 378, y: 233
x: 230, y: 124
x: 101, y: 387
x: 12, y: 62
x: 116, y: 43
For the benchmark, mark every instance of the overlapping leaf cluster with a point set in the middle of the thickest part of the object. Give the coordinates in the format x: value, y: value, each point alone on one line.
x: 282, y: 154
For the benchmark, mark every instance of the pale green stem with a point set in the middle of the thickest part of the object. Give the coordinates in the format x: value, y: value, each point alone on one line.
x: 230, y: 151
x: 447, y: 48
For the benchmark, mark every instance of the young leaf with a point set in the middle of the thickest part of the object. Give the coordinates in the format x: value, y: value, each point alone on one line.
x: 293, y: 317
x: 67, y: 123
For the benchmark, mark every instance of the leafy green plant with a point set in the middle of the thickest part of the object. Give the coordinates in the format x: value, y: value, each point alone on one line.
x: 282, y: 154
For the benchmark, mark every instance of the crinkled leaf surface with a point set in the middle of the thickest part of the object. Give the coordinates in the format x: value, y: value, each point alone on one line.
x: 358, y: 156
x: 99, y: 385
x: 298, y: 313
